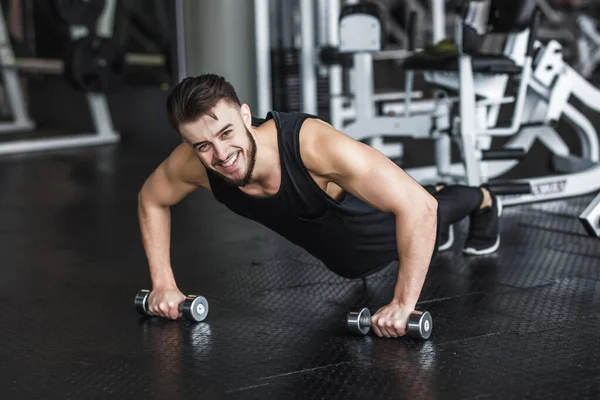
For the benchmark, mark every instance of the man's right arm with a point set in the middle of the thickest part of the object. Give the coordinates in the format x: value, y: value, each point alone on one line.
x: 175, y: 178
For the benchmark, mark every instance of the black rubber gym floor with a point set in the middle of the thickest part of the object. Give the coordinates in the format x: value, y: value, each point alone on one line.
x: 523, y: 323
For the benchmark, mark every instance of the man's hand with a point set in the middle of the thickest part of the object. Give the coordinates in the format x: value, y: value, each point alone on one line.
x: 165, y: 302
x: 391, y: 321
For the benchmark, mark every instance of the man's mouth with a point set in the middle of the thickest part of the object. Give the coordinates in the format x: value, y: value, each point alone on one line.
x: 228, y: 164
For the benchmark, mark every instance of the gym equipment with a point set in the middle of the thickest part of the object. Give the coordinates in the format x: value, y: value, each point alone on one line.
x: 22, y: 122
x: 319, y: 29
x: 94, y: 67
x: 420, y: 324
x: 476, y: 84
x: 194, y: 308
x: 77, y: 12
x: 58, y: 66
x: 95, y: 64
x: 590, y: 217
x: 433, y: 118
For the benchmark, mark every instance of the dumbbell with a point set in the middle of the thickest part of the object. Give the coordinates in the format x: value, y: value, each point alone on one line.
x: 420, y: 324
x: 194, y: 308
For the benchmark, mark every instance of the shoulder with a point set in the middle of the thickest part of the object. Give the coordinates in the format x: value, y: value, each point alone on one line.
x: 332, y: 154
x: 314, y: 132
x: 183, y: 165
x: 322, y: 146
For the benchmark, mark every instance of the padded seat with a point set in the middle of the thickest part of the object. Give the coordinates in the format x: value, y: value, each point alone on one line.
x: 482, y: 63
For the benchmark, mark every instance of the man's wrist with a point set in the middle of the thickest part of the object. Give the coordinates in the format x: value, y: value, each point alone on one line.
x: 403, y: 302
x: 164, y: 284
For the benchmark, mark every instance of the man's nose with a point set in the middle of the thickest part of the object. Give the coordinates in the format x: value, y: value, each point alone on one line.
x: 220, y: 152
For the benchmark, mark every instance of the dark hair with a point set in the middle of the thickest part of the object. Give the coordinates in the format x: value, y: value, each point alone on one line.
x: 193, y: 97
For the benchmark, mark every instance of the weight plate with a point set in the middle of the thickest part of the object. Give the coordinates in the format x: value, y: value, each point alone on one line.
x: 420, y: 325
x: 95, y: 64
x: 195, y: 308
x: 358, y: 321
x: 140, y: 301
x: 77, y: 12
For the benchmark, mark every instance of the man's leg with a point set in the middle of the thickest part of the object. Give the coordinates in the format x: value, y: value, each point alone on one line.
x: 446, y: 231
x: 483, y: 208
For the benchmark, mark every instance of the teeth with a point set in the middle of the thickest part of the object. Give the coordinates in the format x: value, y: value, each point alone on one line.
x: 231, y: 161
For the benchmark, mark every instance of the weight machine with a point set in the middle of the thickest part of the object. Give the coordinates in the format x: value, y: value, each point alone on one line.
x: 22, y: 122
x: 95, y: 66
x: 480, y: 83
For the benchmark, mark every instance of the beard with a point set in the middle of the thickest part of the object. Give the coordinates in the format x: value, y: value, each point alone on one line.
x: 250, y: 162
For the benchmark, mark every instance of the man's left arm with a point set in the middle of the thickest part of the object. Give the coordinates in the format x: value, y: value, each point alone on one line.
x: 371, y: 176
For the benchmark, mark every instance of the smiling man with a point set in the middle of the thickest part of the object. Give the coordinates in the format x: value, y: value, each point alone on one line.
x: 342, y: 201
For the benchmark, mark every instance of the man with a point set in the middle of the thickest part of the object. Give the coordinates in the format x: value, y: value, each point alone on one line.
x: 342, y: 201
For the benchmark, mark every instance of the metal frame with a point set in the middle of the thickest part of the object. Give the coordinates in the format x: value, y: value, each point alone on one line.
x: 105, y: 133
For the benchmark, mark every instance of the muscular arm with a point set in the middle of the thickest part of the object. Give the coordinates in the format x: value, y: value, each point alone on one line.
x: 366, y: 173
x: 176, y: 177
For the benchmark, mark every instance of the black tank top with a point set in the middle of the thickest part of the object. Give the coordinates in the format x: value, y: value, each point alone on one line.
x: 350, y: 237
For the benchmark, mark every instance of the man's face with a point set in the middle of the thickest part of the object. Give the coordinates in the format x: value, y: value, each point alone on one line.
x: 224, y: 145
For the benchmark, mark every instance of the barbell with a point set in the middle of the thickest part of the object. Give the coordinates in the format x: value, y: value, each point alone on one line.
x: 92, y: 64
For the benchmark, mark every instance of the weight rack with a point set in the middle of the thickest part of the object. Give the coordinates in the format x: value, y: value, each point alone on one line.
x: 21, y: 122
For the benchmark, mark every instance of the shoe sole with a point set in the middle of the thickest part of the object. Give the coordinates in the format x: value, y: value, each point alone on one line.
x: 450, y: 240
x: 474, y: 252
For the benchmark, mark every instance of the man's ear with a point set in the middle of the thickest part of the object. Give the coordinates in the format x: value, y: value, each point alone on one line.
x: 246, y: 115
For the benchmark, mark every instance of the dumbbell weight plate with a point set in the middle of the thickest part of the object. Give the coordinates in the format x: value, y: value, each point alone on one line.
x: 141, y: 300
x: 420, y: 325
x: 195, y: 308
x: 358, y: 321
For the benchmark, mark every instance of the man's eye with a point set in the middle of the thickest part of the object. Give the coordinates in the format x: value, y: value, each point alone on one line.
x: 226, y: 133
x: 203, y: 147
